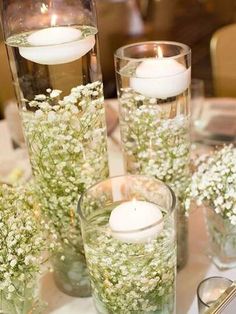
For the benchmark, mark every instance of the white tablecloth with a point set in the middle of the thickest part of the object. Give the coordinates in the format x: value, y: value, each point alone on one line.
x: 198, y: 267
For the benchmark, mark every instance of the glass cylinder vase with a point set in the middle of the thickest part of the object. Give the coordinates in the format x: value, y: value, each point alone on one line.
x: 53, y: 53
x: 23, y: 300
x: 153, y: 80
x: 222, y: 239
x: 209, y: 291
x: 133, y: 269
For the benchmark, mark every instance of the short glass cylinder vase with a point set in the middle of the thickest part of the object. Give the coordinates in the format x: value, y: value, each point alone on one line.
x: 153, y: 80
x: 53, y: 53
x: 128, y: 227
x: 222, y: 239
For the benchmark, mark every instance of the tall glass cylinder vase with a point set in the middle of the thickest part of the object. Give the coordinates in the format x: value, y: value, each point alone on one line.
x: 153, y: 81
x: 53, y: 53
x: 133, y: 269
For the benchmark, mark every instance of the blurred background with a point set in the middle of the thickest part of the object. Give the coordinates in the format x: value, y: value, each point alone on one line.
x: 192, y: 22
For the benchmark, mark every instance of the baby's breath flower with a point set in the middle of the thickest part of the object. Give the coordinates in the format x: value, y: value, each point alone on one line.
x: 24, y: 235
x: 40, y: 97
x: 67, y: 147
x: 214, y: 182
x: 51, y: 116
x: 38, y: 113
x: 11, y: 288
x: 55, y: 93
x: 13, y: 262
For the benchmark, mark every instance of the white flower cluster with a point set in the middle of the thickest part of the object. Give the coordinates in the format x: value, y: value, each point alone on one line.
x: 214, y: 182
x: 155, y: 143
x: 67, y: 146
x: 132, y: 278
x: 23, y: 240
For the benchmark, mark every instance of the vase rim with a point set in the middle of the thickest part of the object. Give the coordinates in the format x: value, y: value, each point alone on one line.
x: 171, y: 208
x: 186, y: 50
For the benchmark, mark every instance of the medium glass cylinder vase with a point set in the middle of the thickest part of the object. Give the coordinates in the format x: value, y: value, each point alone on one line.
x: 128, y: 227
x: 153, y: 80
x: 53, y: 53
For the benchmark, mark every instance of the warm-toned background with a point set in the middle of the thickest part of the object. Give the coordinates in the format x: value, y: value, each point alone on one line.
x: 123, y: 21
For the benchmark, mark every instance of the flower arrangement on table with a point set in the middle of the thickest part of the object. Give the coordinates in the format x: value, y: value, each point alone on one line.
x: 214, y: 182
x: 67, y: 147
x: 214, y: 185
x: 23, y: 240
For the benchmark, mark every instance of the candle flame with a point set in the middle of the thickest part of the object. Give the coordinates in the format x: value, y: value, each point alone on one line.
x: 53, y: 20
x: 44, y: 8
x: 159, y: 52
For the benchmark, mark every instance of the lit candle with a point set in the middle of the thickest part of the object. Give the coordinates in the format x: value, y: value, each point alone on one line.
x: 129, y: 218
x: 56, y: 45
x: 160, y: 77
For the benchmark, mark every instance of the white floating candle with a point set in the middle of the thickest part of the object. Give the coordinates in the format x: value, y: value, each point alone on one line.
x: 128, y: 219
x: 57, y: 45
x: 160, y: 77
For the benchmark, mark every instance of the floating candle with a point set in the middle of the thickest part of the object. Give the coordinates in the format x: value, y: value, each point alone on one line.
x: 57, y: 45
x: 136, y: 221
x: 160, y: 77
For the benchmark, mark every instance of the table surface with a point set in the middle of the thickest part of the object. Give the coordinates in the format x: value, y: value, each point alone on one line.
x: 198, y: 267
